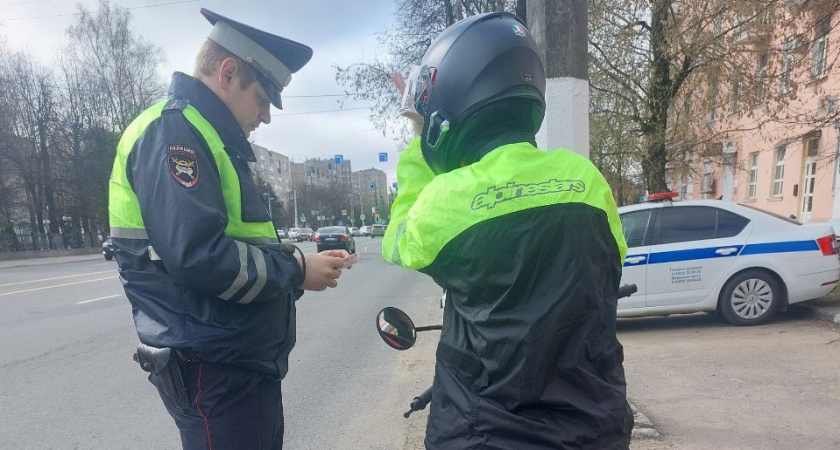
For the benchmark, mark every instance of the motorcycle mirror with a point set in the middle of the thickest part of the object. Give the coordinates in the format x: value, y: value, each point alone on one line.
x: 396, y: 328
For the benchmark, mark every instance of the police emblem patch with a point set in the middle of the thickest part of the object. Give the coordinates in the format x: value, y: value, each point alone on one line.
x: 183, y: 165
x: 519, y: 30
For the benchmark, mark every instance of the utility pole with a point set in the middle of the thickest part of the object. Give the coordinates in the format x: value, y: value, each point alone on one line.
x: 294, y: 193
x: 561, y: 31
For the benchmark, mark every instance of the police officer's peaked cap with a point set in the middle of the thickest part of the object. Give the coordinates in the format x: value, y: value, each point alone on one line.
x: 273, y: 58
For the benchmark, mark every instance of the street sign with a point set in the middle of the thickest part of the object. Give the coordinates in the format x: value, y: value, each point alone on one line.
x: 362, y: 216
x: 383, y: 157
x: 339, y: 159
x: 373, y: 185
x: 343, y: 212
x: 302, y: 219
x: 373, y: 210
x: 394, y: 185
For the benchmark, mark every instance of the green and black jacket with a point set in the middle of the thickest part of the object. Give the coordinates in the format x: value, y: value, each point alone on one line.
x: 529, y: 246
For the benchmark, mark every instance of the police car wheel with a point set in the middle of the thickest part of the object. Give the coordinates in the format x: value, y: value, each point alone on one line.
x: 750, y: 298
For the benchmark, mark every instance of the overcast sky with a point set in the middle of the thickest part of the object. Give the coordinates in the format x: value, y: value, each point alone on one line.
x: 339, y: 32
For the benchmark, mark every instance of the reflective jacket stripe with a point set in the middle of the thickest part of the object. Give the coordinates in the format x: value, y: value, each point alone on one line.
x: 129, y: 233
x: 242, y: 276
x: 259, y: 262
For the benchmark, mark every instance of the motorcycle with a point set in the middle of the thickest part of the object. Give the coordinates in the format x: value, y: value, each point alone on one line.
x: 397, y: 330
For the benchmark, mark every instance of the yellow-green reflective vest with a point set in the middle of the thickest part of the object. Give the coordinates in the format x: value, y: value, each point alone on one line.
x: 125, y: 218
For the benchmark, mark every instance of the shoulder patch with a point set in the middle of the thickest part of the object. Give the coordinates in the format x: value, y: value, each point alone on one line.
x: 183, y: 164
x: 176, y: 104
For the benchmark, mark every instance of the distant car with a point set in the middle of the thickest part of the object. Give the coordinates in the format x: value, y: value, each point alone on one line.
x: 304, y: 234
x: 281, y: 234
x: 293, y: 232
x: 335, y: 238
x: 377, y: 230
x: 710, y: 255
x: 354, y: 231
x: 364, y: 231
x: 108, y: 249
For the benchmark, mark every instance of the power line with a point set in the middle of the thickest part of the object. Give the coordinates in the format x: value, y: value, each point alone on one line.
x: 76, y: 14
x: 321, y: 95
x: 25, y: 2
x: 322, y: 112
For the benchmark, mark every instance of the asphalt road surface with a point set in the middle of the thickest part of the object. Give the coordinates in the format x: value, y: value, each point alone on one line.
x: 68, y: 380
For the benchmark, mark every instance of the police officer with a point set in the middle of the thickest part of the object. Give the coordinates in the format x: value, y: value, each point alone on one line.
x: 212, y: 289
x: 528, y: 245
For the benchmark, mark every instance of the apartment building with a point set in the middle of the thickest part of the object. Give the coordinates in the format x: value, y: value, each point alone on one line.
x: 275, y: 169
x: 783, y: 161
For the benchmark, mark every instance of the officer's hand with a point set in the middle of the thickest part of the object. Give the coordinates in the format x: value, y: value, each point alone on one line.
x: 336, y: 253
x: 322, y: 271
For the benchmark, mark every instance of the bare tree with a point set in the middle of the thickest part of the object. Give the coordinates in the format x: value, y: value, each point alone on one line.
x: 416, y: 24
x: 119, y: 63
x: 667, y: 64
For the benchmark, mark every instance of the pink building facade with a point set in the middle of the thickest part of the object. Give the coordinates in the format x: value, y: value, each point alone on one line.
x: 788, y: 166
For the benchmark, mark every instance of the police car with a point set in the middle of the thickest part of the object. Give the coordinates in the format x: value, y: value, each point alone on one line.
x: 710, y: 255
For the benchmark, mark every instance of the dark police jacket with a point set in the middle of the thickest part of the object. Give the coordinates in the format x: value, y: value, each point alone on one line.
x: 197, y: 252
x: 529, y: 246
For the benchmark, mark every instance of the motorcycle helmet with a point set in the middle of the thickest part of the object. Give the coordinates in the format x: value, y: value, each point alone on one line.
x: 481, y: 72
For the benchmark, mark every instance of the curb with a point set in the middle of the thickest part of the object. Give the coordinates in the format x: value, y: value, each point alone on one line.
x: 820, y: 313
x: 10, y: 264
x: 642, y: 426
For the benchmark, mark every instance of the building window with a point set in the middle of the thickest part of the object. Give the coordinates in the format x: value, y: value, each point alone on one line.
x: 813, y: 147
x: 819, y: 52
x: 712, y: 115
x: 787, y: 64
x: 753, y: 175
x: 707, y: 183
x: 735, y: 94
x: 779, y: 172
x: 761, y: 76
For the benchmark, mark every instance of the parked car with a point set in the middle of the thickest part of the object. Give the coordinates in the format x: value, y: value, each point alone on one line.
x: 335, y: 238
x: 377, y: 230
x: 364, y: 231
x: 304, y: 234
x: 108, y: 249
x: 281, y: 234
x: 354, y: 231
x: 709, y: 255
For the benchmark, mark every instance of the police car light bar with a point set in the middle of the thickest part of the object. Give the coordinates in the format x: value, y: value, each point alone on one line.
x: 660, y: 196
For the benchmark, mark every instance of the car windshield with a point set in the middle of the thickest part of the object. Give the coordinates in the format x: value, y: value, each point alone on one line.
x: 306, y: 230
x: 786, y: 219
x: 331, y: 230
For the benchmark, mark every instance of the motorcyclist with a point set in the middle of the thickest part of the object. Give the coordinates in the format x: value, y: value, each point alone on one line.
x: 528, y: 245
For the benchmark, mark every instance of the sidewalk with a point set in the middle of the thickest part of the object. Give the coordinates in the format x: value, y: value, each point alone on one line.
x: 49, y: 260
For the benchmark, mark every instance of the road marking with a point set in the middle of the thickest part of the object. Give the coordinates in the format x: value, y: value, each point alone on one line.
x: 56, y: 286
x: 56, y: 278
x: 97, y: 299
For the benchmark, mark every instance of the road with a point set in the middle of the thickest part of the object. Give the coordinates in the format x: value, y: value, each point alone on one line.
x: 69, y: 381
x: 707, y: 385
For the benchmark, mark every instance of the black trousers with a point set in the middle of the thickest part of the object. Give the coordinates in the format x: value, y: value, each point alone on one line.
x: 230, y: 408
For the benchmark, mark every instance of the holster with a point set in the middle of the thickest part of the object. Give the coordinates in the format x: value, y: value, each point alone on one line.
x: 167, y: 364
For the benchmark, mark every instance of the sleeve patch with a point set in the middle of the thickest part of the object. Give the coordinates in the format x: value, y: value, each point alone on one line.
x: 183, y: 165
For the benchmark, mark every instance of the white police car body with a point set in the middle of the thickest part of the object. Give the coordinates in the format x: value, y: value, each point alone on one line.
x: 709, y: 255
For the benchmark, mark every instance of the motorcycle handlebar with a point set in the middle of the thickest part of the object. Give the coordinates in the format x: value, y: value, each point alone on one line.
x: 627, y: 290
x: 419, y: 402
